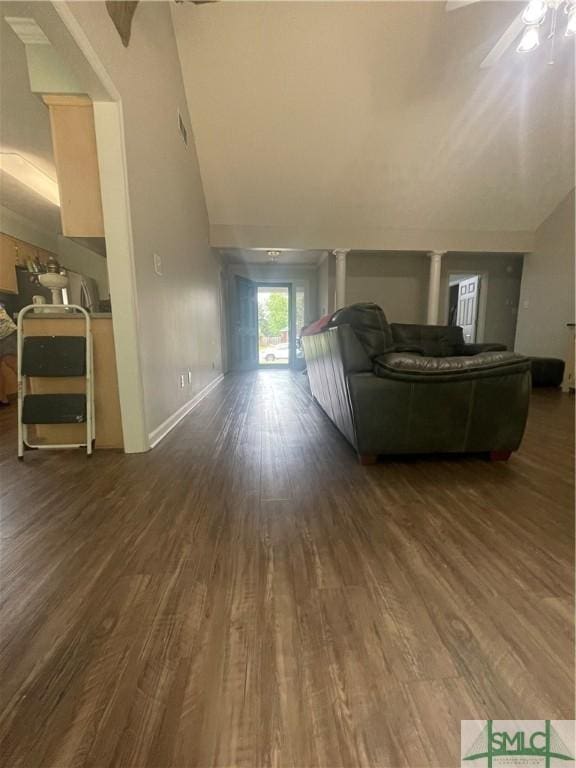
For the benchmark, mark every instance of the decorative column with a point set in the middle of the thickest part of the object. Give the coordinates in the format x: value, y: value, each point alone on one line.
x: 434, y: 286
x: 340, y: 254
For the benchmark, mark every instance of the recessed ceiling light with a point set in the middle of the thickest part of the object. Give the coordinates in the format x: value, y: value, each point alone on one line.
x: 27, y: 30
x: 28, y: 174
x: 274, y: 253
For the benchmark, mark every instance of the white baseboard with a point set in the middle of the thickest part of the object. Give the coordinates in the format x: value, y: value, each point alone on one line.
x: 167, y: 426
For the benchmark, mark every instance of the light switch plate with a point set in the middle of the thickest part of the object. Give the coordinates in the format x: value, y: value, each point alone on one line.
x: 181, y: 381
x: 157, y: 264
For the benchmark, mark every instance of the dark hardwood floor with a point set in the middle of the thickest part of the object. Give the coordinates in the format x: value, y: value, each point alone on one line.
x: 248, y: 595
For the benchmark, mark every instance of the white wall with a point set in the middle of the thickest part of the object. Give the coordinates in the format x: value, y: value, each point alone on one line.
x: 179, y: 326
x: 547, y: 294
x: 71, y: 254
x: 398, y: 282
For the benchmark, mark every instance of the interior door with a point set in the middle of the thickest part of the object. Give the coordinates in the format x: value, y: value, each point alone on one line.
x: 245, y: 325
x: 468, y: 307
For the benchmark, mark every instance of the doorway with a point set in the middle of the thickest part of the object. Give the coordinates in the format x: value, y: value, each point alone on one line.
x: 263, y: 325
x: 274, y: 326
x: 467, y: 305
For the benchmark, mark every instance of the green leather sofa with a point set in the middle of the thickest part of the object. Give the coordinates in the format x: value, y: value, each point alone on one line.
x: 413, y: 389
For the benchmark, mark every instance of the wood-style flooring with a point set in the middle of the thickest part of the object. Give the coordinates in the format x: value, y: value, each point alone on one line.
x: 248, y: 595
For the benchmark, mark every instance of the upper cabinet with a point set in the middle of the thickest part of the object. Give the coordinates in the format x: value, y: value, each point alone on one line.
x: 76, y: 158
x: 18, y: 253
x: 8, y: 261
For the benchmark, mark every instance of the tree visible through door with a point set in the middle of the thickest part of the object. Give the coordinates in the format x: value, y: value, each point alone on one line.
x: 274, y: 325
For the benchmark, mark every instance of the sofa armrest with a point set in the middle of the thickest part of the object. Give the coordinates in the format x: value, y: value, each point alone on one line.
x: 421, y: 368
x: 476, y: 349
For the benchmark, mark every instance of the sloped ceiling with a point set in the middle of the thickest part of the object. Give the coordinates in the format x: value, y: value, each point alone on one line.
x: 343, y: 117
x: 24, y: 129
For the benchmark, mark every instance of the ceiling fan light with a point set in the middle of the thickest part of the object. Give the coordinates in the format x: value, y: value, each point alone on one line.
x: 530, y: 40
x: 571, y: 26
x: 535, y: 12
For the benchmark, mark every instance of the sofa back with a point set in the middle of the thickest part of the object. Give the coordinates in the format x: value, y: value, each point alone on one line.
x: 370, y: 325
x: 433, y: 340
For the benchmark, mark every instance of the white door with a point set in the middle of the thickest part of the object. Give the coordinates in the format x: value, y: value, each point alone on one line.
x: 468, y: 307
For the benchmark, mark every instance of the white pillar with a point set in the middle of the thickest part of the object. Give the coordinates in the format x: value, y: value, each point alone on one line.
x: 340, y: 254
x: 434, y: 286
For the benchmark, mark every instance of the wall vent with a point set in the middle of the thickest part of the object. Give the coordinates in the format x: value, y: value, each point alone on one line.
x: 182, y: 129
x: 27, y: 30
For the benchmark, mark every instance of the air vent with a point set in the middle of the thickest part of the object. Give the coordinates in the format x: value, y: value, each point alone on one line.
x: 182, y: 129
x: 27, y: 30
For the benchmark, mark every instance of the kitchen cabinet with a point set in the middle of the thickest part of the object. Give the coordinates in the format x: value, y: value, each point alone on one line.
x: 8, y: 261
x: 76, y: 158
x: 25, y: 252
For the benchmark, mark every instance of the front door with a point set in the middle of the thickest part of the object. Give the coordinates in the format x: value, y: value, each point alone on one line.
x: 468, y: 307
x: 245, y: 325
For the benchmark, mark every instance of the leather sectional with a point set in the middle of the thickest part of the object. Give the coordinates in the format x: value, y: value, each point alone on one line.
x: 416, y: 389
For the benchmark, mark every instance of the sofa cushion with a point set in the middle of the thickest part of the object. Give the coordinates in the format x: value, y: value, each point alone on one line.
x: 433, y: 340
x: 369, y: 324
x: 397, y: 363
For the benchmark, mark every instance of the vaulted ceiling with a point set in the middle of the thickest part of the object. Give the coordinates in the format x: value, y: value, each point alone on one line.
x: 338, y: 118
x: 24, y: 129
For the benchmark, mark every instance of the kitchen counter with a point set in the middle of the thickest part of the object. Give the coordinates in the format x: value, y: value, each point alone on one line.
x: 67, y: 316
x: 107, y: 402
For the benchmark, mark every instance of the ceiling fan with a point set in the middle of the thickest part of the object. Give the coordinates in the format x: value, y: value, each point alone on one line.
x: 538, y: 18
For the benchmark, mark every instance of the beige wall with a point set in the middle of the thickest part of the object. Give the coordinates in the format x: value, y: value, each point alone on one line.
x: 501, y: 275
x: 547, y: 295
x: 179, y: 324
x: 398, y: 282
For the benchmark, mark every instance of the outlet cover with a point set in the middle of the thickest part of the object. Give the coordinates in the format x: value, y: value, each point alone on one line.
x: 157, y: 264
x: 181, y: 381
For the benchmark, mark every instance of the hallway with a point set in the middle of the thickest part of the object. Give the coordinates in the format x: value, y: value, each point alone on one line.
x: 247, y: 594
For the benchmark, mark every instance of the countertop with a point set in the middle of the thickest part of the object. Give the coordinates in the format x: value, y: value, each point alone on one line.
x: 67, y: 316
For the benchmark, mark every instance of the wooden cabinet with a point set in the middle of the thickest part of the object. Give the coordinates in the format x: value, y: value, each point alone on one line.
x: 14, y: 252
x: 8, y: 261
x: 75, y: 154
x: 25, y: 252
